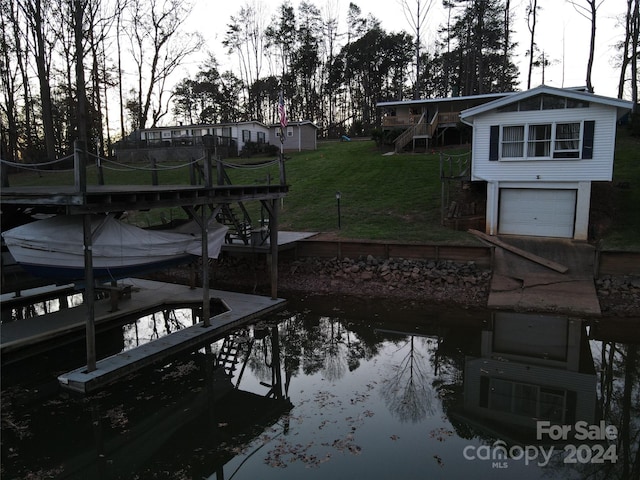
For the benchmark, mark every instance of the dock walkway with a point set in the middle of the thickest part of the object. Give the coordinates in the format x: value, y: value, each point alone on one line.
x: 146, y: 295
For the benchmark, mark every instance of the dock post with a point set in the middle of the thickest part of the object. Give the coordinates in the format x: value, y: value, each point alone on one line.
x: 283, y: 175
x: 4, y: 175
x: 209, y: 151
x: 79, y: 166
x: 273, y: 240
x: 89, y: 294
x: 154, y: 171
x: 206, y: 304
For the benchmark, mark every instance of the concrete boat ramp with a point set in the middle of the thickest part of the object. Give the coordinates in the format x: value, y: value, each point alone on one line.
x: 555, y: 275
x: 145, y: 296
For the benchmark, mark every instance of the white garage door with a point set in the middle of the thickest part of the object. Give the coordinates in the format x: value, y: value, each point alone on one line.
x: 538, y: 212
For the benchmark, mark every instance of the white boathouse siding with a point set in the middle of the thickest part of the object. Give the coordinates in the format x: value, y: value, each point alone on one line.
x: 539, y: 179
x: 598, y: 168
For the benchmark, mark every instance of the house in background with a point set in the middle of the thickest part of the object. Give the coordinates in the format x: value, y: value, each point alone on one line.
x: 298, y: 136
x: 432, y: 121
x: 539, y: 152
x: 186, y: 142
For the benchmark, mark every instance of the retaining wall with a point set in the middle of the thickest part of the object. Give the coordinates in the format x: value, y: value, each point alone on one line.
x: 606, y: 262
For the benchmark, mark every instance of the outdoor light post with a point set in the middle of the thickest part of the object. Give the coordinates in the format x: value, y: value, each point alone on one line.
x: 338, y: 195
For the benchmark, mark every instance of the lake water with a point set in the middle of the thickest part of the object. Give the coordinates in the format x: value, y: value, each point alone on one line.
x: 342, y: 388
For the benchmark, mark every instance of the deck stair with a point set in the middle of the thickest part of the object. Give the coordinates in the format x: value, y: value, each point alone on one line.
x: 239, y: 223
x: 229, y: 353
x: 422, y: 129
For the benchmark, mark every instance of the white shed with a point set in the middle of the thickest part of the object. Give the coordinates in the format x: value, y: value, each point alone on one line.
x: 539, y: 151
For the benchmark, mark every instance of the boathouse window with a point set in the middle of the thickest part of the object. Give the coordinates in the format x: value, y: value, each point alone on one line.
x: 525, y: 399
x: 543, y: 102
x: 261, y: 137
x: 542, y: 141
x: 246, y: 135
x: 289, y: 131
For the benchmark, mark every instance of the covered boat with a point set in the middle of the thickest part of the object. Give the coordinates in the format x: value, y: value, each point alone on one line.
x: 54, y: 247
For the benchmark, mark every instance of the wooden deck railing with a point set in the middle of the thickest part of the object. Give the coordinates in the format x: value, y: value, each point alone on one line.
x: 425, y: 129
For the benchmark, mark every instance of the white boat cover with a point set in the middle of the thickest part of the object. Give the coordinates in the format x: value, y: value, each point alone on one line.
x: 111, y: 239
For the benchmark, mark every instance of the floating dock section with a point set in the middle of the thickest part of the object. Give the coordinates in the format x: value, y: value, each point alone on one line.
x: 146, y: 295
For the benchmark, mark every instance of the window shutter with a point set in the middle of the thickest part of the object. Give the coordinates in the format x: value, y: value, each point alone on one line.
x: 493, y: 142
x: 587, y: 140
x: 484, y: 391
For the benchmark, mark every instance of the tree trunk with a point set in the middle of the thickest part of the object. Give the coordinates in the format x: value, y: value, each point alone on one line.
x: 37, y: 23
x: 531, y: 21
x: 592, y: 4
x: 80, y: 80
x: 628, y: 34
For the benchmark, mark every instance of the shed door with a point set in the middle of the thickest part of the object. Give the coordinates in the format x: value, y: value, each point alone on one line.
x: 537, y: 212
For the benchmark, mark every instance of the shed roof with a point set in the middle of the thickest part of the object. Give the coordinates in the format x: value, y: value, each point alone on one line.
x: 296, y: 123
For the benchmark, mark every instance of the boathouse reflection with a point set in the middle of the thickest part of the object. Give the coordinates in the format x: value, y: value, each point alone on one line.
x: 531, y: 367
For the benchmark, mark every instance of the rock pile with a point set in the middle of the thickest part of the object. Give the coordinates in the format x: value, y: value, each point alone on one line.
x: 464, y: 284
x: 619, y: 295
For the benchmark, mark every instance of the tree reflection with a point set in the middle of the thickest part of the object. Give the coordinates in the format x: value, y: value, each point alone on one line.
x: 620, y: 404
x: 408, y: 392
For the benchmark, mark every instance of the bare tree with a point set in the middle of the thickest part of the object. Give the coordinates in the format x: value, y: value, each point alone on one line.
x: 588, y: 11
x: 8, y: 84
x: 630, y: 50
x: 246, y: 38
x: 532, y: 17
x: 416, y: 14
x: 159, y: 46
x: 36, y: 14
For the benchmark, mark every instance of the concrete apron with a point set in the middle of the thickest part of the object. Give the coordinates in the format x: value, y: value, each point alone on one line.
x: 523, y: 285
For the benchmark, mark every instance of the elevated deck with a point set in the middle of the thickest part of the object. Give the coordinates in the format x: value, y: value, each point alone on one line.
x: 111, y: 198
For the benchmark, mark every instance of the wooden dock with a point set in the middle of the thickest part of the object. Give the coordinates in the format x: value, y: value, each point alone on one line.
x: 147, y: 295
x: 202, y: 202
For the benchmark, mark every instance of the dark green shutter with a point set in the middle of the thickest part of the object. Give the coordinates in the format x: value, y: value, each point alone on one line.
x: 587, y: 140
x: 484, y: 391
x: 493, y: 142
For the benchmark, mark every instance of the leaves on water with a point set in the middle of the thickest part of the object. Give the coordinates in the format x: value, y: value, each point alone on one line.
x: 315, y: 453
x: 440, y: 434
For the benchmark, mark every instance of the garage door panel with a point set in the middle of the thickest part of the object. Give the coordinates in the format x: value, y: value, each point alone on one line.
x: 537, y: 212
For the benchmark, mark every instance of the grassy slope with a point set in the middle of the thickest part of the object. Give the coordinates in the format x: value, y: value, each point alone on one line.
x: 382, y: 197
x: 624, y: 230
x: 394, y: 198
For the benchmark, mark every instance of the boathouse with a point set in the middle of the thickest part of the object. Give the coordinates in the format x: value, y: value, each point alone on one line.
x: 538, y: 152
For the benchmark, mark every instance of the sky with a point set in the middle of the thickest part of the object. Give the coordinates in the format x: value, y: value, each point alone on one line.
x: 561, y: 32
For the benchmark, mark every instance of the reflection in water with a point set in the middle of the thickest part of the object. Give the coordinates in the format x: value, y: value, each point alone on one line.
x: 15, y: 308
x: 371, y: 391
x: 156, y: 325
x: 531, y: 368
x: 409, y: 389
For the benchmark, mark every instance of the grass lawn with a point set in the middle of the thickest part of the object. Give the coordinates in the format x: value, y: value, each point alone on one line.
x: 383, y: 197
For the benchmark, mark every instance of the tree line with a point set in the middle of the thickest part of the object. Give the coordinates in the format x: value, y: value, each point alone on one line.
x: 97, y: 70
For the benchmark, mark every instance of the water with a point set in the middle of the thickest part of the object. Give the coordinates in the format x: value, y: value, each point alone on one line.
x: 343, y: 388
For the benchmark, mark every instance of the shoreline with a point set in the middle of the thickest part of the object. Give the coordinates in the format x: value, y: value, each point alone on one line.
x: 464, y: 285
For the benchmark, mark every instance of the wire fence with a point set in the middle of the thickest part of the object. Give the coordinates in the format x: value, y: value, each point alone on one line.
x: 98, y: 165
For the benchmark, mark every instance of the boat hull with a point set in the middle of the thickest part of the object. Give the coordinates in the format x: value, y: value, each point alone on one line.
x: 54, y: 248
